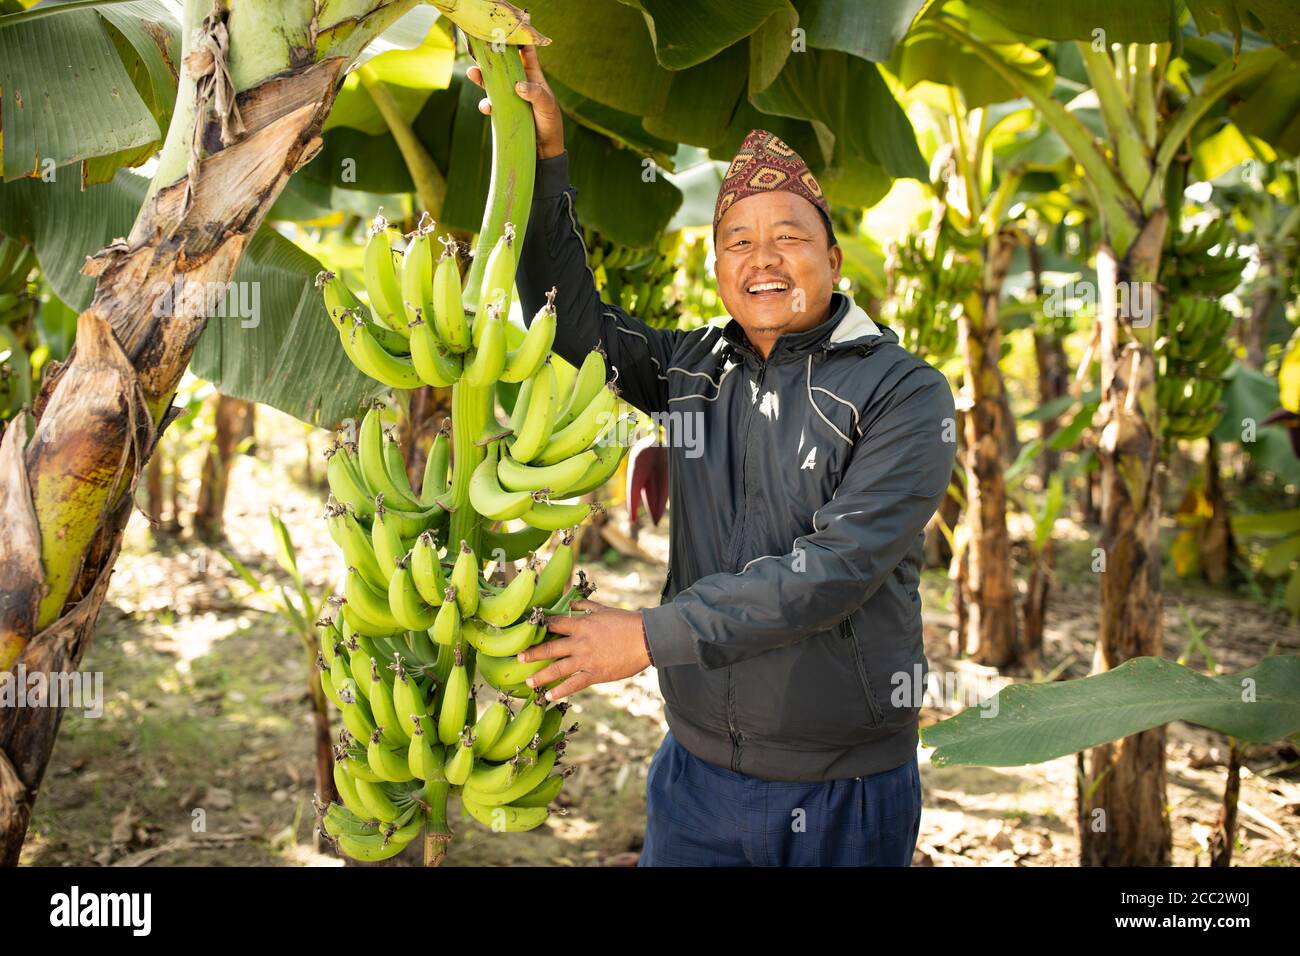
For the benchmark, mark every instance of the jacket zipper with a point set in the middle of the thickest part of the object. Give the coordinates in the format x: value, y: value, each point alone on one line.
x: 737, y: 738
x: 846, y: 630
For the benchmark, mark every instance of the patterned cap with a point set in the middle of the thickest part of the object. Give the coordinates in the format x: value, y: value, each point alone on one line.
x: 765, y: 164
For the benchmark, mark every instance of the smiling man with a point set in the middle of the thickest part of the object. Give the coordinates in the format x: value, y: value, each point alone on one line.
x: 788, y: 634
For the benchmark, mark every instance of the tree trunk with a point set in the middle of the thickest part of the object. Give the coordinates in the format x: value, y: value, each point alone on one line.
x: 67, y: 495
x: 234, y: 423
x: 1126, y: 820
x: 1035, y: 608
x: 990, y: 633
x: 1053, y: 370
x: 1224, y: 837
x: 1214, y: 537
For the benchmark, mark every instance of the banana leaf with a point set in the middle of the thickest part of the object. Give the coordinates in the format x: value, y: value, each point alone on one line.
x: 1031, y: 723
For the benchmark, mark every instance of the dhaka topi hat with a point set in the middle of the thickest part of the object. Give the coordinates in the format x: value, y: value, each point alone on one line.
x: 765, y: 163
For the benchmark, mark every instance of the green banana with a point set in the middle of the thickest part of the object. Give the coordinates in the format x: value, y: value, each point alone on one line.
x: 489, y: 727
x: 513, y: 545
x: 460, y: 763
x: 385, y: 542
x: 434, y: 484
x: 389, y: 724
x: 446, y: 624
x: 524, y: 361
x: 369, y: 603
x: 408, y: 700
x: 554, y: 517
x: 609, y: 453
x: 534, y: 415
x: 347, y: 791
x: 425, y: 760
x: 519, y: 731
x: 426, y: 570
x: 507, y: 673
x: 485, y: 362
x: 448, y: 310
x: 382, y: 282
x: 374, y: 462
x: 417, y: 274
x: 487, y: 496
x: 388, y: 763
x: 434, y: 362
x: 591, y: 378
x: 554, y: 578
x: 455, y: 701
x: 365, y: 352
x: 505, y: 607
x: 515, y: 476
x: 543, y: 794
x: 404, y: 601
x: 353, y: 542
x: 498, y: 278
x: 524, y: 783
x: 356, y: 715
x: 507, y: 819
x: 584, y: 429
x: 503, y: 641
x: 346, y: 483
x: 464, y: 578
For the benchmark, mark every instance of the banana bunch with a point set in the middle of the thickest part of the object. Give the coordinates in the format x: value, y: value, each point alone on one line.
x: 927, y: 291
x: 419, y: 619
x: 16, y: 262
x: 415, y: 330
x: 639, y: 280
x: 1194, y: 351
x: 1192, y: 269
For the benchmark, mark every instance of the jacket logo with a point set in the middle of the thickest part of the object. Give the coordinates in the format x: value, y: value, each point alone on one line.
x: 810, y: 460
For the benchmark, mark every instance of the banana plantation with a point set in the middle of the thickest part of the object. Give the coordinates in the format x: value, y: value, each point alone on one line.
x: 316, y: 479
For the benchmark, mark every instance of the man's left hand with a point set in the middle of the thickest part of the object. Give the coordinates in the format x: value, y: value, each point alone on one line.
x: 604, y: 644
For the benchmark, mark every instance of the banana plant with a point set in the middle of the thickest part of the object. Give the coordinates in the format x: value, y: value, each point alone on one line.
x: 258, y: 83
x: 1149, y: 109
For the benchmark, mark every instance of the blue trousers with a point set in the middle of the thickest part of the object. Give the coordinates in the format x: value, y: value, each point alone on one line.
x: 701, y: 814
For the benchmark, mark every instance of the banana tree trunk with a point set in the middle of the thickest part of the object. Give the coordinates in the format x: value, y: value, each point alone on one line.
x: 257, y: 84
x: 234, y: 420
x: 1052, y: 365
x: 1125, y: 818
x: 990, y: 628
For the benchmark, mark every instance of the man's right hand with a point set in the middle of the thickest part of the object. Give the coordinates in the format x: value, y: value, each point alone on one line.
x: 534, y: 90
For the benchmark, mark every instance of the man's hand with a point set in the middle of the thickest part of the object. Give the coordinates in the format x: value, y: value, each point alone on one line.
x: 546, y: 111
x: 604, y: 644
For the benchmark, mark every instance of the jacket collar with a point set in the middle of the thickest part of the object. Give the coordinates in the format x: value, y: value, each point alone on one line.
x: 847, y: 326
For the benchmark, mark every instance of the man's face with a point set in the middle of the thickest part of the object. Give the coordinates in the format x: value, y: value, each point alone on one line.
x: 776, y: 269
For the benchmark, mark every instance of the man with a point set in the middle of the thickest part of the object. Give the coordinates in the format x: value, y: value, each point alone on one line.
x: 788, y: 637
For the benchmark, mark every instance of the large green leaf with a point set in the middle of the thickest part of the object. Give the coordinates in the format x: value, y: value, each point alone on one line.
x: 687, y: 32
x: 702, y: 100
x: 411, y: 76
x: 867, y: 29
x: 769, y: 47
x: 849, y: 97
x: 291, y: 358
x: 927, y: 54
x: 1278, y: 19
x: 1270, y: 108
x: 1120, y: 21
x: 602, y: 49
x: 618, y: 195
x: 1249, y: 397
x: 1031, y: 723
x: 619, y: 126
x: 66, y: 95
